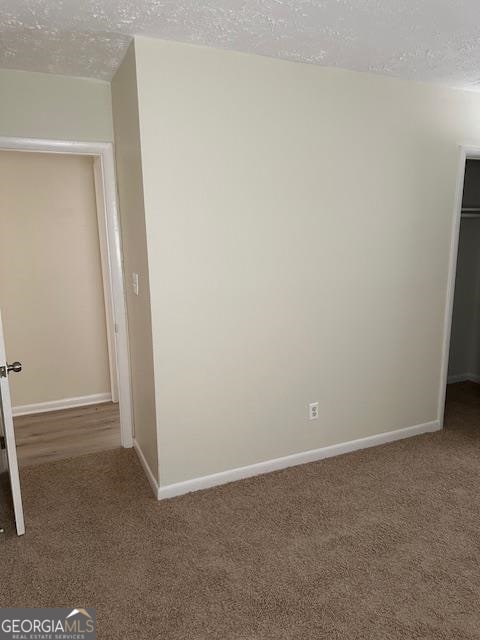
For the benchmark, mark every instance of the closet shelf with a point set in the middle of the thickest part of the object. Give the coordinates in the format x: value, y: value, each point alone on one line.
x: 470, y: 212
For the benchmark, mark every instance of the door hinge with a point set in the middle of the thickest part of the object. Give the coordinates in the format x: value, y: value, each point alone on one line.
x: 3, y: 372
x: 2, y: 442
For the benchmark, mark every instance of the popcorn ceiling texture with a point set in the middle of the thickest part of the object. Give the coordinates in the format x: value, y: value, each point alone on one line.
x: 432, y: 40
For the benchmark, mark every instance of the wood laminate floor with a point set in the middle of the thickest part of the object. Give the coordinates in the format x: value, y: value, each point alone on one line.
x: 45, y: 437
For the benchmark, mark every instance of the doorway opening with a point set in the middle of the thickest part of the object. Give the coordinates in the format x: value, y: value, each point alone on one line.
x: 462, y: 384
x: 62, y: 301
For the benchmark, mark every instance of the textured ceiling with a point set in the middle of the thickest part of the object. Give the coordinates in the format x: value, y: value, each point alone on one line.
x: 428, y: 40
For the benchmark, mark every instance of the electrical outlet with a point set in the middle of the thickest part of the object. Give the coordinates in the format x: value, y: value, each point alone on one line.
x: 313, y: 410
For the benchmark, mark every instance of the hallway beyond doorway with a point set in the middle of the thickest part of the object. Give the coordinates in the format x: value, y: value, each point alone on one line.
x: 46, y: 437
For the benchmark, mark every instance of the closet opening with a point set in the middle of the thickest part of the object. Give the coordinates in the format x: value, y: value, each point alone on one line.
x: 462, y: 398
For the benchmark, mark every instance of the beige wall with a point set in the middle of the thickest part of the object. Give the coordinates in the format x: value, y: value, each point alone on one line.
x: 130, y: 184
x: 51, y: 293
x: 42, y: 105
x: 298, y: 224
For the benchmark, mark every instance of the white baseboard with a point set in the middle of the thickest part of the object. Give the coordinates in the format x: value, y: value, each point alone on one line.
x: 146, y: 468
x: 458, y: 377
x: 463, y: 377
x: 65, y: 403
x: 205, y: 482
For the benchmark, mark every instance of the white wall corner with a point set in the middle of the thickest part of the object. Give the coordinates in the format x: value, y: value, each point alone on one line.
x: 148, y: 472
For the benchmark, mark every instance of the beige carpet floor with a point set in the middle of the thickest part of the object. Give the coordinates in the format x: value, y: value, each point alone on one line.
x: 382, y: 544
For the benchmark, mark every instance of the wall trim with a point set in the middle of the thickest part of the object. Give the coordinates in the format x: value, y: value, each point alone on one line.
x: 146, y: 468
x: 463, y: 377
x: 58, y: 405
x: 205, y: 482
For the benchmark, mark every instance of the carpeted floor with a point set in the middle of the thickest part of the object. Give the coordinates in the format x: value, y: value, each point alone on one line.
x: 382, y: 544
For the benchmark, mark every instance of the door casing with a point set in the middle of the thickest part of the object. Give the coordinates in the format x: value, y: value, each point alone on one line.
x: 465, y: 152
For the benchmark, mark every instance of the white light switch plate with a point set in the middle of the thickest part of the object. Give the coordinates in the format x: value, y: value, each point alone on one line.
x: 135, y: 283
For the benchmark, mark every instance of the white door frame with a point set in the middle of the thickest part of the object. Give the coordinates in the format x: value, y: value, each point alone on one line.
x: 106, y: 274
x: 112, y: 262
x: 473, y: 153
